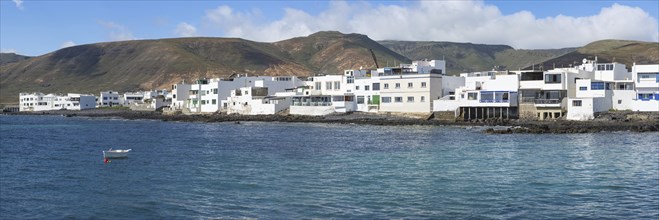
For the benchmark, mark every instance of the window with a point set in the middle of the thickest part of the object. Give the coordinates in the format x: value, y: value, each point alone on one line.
x: 645, y: 96
x: 410, y: 85
x: 603, y: 67
x: 423, y: 99
x: 472, y: 96
x: 350, y: 79
x: 410, y: 99
x: 597, y: 85
x: 398, y: 99
x: 386, y: 99
x: 203, y: 102
x: 397, y: 85
x: 576, y: 103
x: 214, y: 92
x: 214, y: 101
x: 360, y: 99
x: 583, y: 88
x: 553, y: 78
x: 356, y: 87
x: 366, y: 88
x: 619, y: 101
x: 386, y: 86
x: 376, y: 86
x: 328, y: 85
x: 105, y: 98
x: 317, y: 86
x: 337, y: 85
x: 423, y: 84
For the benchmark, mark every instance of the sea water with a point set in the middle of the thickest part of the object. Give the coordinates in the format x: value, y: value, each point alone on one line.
x: 52, y: 167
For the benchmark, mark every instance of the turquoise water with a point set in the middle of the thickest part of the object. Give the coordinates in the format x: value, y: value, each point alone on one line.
x: 51, y: 167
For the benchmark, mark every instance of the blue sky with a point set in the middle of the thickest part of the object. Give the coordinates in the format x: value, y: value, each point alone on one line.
x: 39, y: 27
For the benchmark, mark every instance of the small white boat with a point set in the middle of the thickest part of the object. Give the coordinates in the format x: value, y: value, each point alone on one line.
x: 115, y: 153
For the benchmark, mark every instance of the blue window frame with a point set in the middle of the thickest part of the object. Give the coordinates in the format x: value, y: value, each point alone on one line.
x: 583, y: 88
x: 646, y: 96
x: 597, y: 85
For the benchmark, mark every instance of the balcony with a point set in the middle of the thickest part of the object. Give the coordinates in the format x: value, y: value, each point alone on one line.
x: 494, y: 101
x: 547, y: 101
x: 312, y: 104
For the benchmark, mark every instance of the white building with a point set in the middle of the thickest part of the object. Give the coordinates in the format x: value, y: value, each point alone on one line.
x: 108, y: 99
x: 327, y: 94
x: 129, y: 98
x: 179, y: 96
x: 409, y: 88
x: 491, y: 94
x: 646, y: 78
x: 403, y: 90
x: 608, y: 87
x: 367, y: 91
x: 208, y: 96
x: 41, y: 102
x: 255, y: 101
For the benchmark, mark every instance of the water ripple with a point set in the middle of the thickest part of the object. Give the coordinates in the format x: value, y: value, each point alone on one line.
x: 51, y: 168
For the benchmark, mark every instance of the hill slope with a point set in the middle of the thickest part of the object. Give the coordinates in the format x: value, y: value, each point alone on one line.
x: 467, y: 57
x: 621, y: 51
x: 333, y: 52
x: 6, y: 58
x: 150, y: 64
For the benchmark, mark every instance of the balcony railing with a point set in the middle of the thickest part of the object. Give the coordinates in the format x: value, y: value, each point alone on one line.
x: 494, y: 101
x: 547, y: 101
x: 312, y: 103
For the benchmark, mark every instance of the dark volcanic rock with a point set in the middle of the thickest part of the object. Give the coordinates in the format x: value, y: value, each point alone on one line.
x: 615, y: 121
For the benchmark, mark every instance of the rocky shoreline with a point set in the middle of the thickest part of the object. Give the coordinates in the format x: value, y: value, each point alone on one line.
x: 610, y: 121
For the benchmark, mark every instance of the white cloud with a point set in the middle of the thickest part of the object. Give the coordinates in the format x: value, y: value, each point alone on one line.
x: 117, y: 32
x: 457, y: 21
x: 186, y: 30
x: 19, y: 4
x: 67, y: 44
x: 8, y: 50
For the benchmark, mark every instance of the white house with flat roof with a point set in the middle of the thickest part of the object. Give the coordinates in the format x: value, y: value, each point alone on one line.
x: 490, y: 94
x: 208, y: 96
x: 646, y: 78
x: 41, y: 102
x: 367, y: 93
x: 327, y: 94
x: 255, y: 101
x: 179, y: 96
x: 609, y: 86
x: 108, y: 99
x: 406, y: 91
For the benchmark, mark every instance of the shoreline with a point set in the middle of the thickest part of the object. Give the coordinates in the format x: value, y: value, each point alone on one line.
x: 610, y: 121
